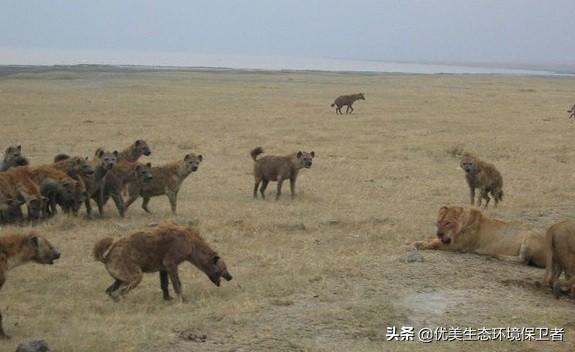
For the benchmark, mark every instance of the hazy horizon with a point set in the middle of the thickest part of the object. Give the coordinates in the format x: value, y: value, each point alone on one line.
x: 486, y: 31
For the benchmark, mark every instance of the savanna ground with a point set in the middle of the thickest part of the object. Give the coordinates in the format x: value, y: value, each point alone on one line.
x: 321, y: 273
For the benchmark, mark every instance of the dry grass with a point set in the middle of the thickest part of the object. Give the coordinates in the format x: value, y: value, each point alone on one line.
x: 317, y: 274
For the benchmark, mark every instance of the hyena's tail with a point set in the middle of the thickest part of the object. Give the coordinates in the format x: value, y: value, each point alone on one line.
x: 61, y: 157
x: 101, y: 248
x: 256, y: 151
x: 332, y: 105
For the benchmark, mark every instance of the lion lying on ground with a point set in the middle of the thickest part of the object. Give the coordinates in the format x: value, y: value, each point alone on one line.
x: 468, y: 231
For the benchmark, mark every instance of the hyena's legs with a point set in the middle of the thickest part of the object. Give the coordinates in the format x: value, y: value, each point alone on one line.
x: 338, y: 110
x: 347, y: 109
x: 113, y: 287
x: 263, y: 188
x: 88, y: 207
x: 145, y: 201
x: 130, y: 200
x: 256, y: 185
x: 279, y: 191
x: 350, y: 108
x: 130, y: 275
x: 100, y: 201
x: 497, y: 196
x: 119, y: 201
x: 472, y: 195
x: 164, y: 284
x: 133, y: 192
x: 292, y: 187
x: 485, y: 195
x: 172, y: 270
x: 173, y: 198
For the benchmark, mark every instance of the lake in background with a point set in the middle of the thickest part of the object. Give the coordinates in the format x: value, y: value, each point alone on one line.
x: 167, y: 60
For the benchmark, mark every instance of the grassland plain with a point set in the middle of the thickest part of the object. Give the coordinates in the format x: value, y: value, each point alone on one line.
x: 321, y: 273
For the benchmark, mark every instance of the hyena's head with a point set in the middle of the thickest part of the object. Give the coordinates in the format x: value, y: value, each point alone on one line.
x: 40, y: 250
x: 215, y: 268
x: 107, y: 159
x: 73, y: 191
x: 13, y: 156
x: 360, y: 96
x: 142, y: 147
x: 83, y: 166
x: 468, y: 164
x: 143, y: 172
x: 35, y: 207
x: 304, y: 159
x: 192, y: 161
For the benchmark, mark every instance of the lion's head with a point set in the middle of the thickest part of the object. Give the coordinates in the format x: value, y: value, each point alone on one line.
x: 452, y: 221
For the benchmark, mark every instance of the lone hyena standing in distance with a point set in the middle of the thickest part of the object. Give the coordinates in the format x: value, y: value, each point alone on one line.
x: 484, y: 176
x: 278, y: 168
x: 346, y: 100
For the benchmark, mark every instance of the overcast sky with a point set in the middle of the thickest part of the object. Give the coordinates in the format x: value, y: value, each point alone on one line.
x: 515, y: 31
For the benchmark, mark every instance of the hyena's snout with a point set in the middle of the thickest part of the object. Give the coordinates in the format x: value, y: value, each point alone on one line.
x: 227, y: 276
x: 55, y: 255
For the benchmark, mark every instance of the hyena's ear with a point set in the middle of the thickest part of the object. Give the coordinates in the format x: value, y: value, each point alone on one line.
x: 200, y: 157
x: 19, y: 147
x: 139, y: 141
x: 149, y: 164
x: 33, y: 241
x: 86, y: 158
x: 299, y: 154
x: 99, y: 152
x: 216, y: 258
x: 115, y: 153
x: 312, y: 154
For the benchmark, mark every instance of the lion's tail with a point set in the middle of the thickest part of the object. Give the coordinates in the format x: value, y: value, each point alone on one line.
x: 256, y: 151
x: 101, y: 247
